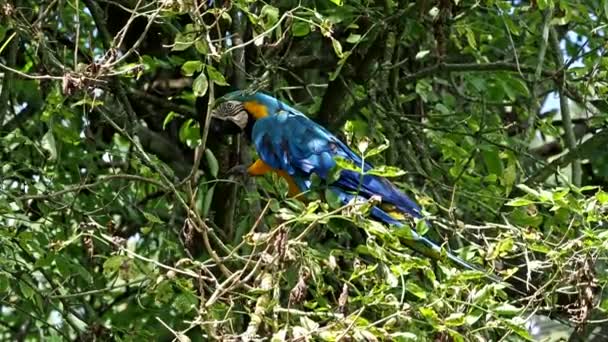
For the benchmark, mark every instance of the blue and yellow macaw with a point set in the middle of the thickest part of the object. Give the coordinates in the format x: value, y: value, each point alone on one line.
x: 289, y: 143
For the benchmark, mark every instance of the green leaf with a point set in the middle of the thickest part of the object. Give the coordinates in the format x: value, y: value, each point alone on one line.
x: 363, y: 145
x: 386, y: 171
x: 503, y: 82
x: 519, y: 202
x: 4, y: 283
x: 189, y: 133
x: 300, y: 29
x: 443, y: 109
x: 471, y: 38
x: 152, y: 218
x: 169, y: 118
x: 269, y: 16
x: 332, y: 199
x: 491, y: 157
x: 503, y: 245
x: 182, y: 41
x: 429, y: 314
x: 337, y: 47
x: 190, y: 67
x: 542, y: 4
x: 163, y: 292
x: 337, y: 2
x: 200, y: 85
x: 26, y: 290
x: 602, y: 197
x: 4, y: 44
x: 528, y: 190
x: 456, y: 319
x: 404, y: 336
x: 113, y: 264
x: 421, y: 227
x: 518, y: 324
x: 212, y: 163
x: 344, y: 164
x: 424, y: 89
x: 48, y: 143
x: 421, y: 54
x: 473, y: 317
x: 560, y: 21
x: 207, y: 201
x: 63, y: 265
x: 216, y: 76
x: 353, y: 38
x: 518, y: 86
x: 201, y: 46
x: 308, y: 323
x: 507, y: 309
x: 185, y: 302
x: 509, y: 177
x: 378, y: 149
x: 416, y: 290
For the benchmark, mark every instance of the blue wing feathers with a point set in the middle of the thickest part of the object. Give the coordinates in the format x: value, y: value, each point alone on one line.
x: 374, y: 185
x: 289, y: 141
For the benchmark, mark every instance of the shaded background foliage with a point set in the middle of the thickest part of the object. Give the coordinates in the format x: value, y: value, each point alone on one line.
x: 119, y: 221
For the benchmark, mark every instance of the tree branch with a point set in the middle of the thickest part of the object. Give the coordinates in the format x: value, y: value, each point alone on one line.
x: 577, y: 172
x: 475, y: 67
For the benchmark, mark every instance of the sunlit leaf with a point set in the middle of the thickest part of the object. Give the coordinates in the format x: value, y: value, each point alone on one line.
x: 169, y: 118
x: 200, y: 85
x: 519, y: 202
x: 190, y: 67
x: 386, y: 171
x: 48, y: 143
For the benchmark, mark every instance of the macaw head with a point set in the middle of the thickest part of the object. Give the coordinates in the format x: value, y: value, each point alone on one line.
x: 237, y: 111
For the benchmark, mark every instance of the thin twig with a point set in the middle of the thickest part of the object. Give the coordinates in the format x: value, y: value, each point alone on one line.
x: 28, y: 76
x: 139, y: 40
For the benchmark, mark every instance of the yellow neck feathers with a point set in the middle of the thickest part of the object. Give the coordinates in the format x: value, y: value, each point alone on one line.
x: 256, y: 109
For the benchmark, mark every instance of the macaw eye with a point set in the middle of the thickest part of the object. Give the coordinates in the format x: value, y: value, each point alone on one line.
x: 230, y: 108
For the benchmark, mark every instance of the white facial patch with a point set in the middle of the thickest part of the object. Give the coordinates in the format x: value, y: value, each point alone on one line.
x: 232, y: 111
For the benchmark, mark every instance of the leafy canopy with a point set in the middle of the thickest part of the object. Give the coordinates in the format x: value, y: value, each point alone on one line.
x: 119, y: 220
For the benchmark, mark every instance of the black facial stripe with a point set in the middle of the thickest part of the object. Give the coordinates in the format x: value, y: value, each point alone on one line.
x: 228, y: 109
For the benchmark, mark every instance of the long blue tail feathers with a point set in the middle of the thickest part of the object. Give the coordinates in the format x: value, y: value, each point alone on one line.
x: 417, y: 243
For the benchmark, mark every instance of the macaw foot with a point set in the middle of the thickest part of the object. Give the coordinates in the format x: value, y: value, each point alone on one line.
x: 237, y: 171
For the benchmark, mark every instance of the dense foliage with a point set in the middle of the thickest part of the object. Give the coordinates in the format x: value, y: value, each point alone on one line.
x: 119, y: 219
